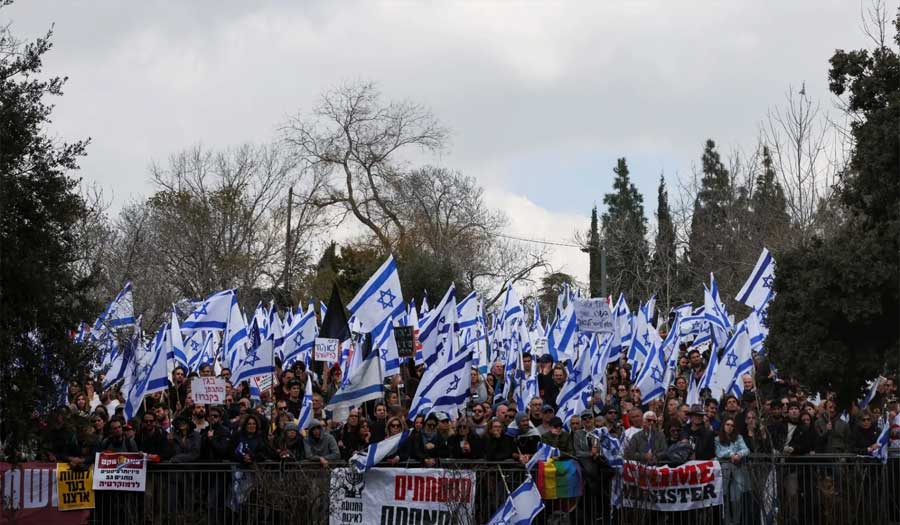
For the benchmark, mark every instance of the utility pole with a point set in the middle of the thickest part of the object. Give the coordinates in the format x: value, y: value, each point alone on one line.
x: 287, y: 243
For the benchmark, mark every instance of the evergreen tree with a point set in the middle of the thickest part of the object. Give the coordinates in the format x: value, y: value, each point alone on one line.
x: 624, y: 235
x: 42, y: 296
x: 834, y: 318
x: 664, y: 262
x: 595, y: 272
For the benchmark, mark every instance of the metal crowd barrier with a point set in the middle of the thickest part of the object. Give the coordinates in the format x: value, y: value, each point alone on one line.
x: 818, y: 489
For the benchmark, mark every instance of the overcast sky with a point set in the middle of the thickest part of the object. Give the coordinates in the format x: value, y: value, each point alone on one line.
x: 541, y: 97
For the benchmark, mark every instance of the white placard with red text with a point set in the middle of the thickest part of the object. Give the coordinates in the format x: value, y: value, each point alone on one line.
x: 398, y: 495
x: 120, y: 471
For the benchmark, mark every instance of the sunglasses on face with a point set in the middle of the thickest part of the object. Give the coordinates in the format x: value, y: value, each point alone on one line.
x: 395, y: 425
x: 282, y: 408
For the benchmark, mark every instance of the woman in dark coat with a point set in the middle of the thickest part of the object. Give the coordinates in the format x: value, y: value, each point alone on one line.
x: 249, y: 444
x: 465, y: 444
x: 498, y: 446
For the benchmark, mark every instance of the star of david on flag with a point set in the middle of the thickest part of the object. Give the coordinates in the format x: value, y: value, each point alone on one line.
x: 378, y: 299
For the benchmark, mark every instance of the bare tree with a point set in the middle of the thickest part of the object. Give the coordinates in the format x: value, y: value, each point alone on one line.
x: 357, y: 139
x: 808, y: 153
x: 217, y: 220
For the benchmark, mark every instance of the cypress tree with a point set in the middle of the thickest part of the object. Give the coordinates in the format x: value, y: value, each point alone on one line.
x: 625, y: 231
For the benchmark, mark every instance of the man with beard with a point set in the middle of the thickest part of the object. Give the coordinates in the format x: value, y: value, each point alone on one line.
x: 198, y: 417
x: 150, y: 439
x: 478, y: 420
x: 528, y: 439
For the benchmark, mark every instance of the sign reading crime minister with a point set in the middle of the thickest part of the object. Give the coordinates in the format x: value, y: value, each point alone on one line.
x: 120, y: 471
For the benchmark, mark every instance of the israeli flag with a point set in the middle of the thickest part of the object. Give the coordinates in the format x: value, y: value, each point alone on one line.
x: 652, y: 377
x: 737, y: 359
x: 561, y: 337
x: 300, y: 339
x: 204, y: 351
x: 378, y: 452
x: 543, y: 453
x: 610, y: 446
x: 177, y: 344
x: 119, y: 313
x: 643, y: 340
x: 380, y: 298
x: 444, y: 386
x: 275, y: 329
x: 362, y: 382
x: 384, y: 343
x: 306, y: 408
x: 576, y: 392
x: 870, y: 395
x: 521, y: 507
x: 236, y: 340
x: 437, y: 331
x: 758, y: 290
x: 883, y: 442
x: 257, y: 362
x: 537, y: 326
x: 148, y: 374
x: 212, y: 314
x: 715, y: 313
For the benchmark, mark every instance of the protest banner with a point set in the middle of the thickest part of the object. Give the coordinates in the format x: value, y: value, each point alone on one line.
x: 402, y: 496
x: 208, y: 390
x: 694, y: 485
x: 75, y: 487
x: 29, y: 496
x: 405, y: 336
x: 593, y: 315
x: 326, y: 350
x: 120, y: 471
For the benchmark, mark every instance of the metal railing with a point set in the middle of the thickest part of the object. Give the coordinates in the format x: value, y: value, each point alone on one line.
x: 808, y: 490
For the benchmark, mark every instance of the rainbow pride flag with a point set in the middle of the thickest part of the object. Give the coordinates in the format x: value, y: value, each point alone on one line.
x: 559, y: 478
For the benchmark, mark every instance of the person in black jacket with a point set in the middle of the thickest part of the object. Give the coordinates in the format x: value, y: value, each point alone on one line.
x: 249, y: 444
x: 703, y: 438
x: 498, y: 446
x: 864, y: 434
x: 150, y: 439
x: 60, y: 440
x: 465, y: 444
x: 289, y: 444
x: 433, y: 442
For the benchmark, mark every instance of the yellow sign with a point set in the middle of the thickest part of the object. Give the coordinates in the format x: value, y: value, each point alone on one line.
x: 75, y: 487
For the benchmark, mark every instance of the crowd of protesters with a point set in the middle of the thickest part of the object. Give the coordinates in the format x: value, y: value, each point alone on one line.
x: 772, y: 416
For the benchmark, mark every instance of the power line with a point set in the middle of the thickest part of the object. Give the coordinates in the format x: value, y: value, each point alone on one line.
x: 539, y: 241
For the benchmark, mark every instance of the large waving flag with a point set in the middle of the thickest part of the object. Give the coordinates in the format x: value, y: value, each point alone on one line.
x: 521, y: 507
x: 212, y: 314
x: 437, y: 331
x: 148, y: 374
x: 652, y: 378
x: 236, y: 340
x: 576, y: 392
x: 444, y: 387
x: 715, y: 313
x: 258, y: 361
x: 378, y: 452
x: 757, y: 291
x: 644, y: 338
x: 384, y: 343
x: 380, y: 298
x: 119, y: 313
x: 362, y: 383
x: 562, y: 336
x: 300, y: 339
x: 883, y: 442
x: 870, y: 394
x: 736, y: 360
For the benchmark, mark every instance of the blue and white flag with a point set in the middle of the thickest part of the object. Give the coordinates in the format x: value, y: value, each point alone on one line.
x: 651, y: 379
x: 562, y: 336
x: 521, y: 507
x: 715, y: 313
x: 643, y: 339
x: 147, y: 375
x: 543, y: 453
x: 258, y: 361
x: 306, y: 408
x: 379, y: 299
x: 212, y: 314
x: 236, y: 339
x: 378, y: 452
x: 119, y: 313
x: 202, y: 352
x: 362, y: 382
x: 757, y: 291
x: 737, y: 359
x: 176, y: 344
x: 437, y: 331
x: 300, y: 339
x: 883, y: 442
x: 576, y: 392
x: 870, y: 395
x: 445, y: 387
x: 384, y: 343
x: 612, y: 451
